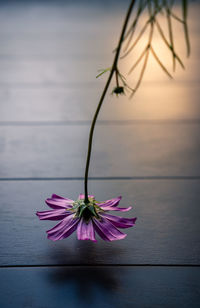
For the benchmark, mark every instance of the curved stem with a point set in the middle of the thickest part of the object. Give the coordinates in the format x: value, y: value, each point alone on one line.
x: 113, y: 69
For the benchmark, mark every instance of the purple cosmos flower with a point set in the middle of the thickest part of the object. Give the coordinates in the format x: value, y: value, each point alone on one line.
x: 85, y: 218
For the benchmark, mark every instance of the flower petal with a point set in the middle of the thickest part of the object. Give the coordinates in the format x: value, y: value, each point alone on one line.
x: 107, y: 231
x: 59, y: 203
x: 111, y: 202
x: 111, y: 205
x: 82, y: 196
x: 115, y: 208
x: 85, y: 231
x: 56, y: 197
x: 120, y: 222
x: 64, y: 229
x: 59, y: 226
x: 53, y: 214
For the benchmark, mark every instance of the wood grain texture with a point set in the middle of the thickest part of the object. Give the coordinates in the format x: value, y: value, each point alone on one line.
x: 68, y: 44
x: 166, y: 232
x: 108, y: 287
x: 49, y: 56
x: 136, y: 150
x: 73, y: 72
x: 172, y: 102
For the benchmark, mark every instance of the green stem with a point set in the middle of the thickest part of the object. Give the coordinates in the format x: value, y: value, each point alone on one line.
x: 113, y: 69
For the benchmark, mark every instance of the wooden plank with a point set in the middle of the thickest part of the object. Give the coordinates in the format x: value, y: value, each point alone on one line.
x: 55, y: 20
x: 100, y: 287
x: 47, y: 73
x: 66, y: 44
x: 76, y: 71
x: 126, y: 150
x: 168, y: 102
x: 48, y: 18
x: 166, y: 232
x: 57, y: 46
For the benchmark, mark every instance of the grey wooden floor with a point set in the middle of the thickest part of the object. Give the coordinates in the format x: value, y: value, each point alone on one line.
x: 146, y: 150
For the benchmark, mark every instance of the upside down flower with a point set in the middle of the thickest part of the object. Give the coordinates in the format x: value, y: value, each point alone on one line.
x: 85, y: 218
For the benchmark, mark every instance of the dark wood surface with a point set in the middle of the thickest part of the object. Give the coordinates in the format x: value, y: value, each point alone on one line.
x: 165, y: 233
x: 146, y: 150
x: 100, y: 286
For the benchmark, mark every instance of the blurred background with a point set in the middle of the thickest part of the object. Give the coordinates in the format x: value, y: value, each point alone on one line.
x: 49, y: 56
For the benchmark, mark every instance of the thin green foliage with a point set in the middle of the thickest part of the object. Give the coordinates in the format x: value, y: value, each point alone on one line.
x: 185, y: 12
x: 154, y: 8
x: 126, y: 39
x: 103, y: 71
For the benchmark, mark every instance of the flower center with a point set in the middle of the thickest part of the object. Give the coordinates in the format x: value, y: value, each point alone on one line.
x: 87, y: 211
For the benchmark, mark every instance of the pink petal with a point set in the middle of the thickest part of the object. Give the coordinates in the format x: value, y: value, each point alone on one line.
x: 59, y: 203
x: 64, y: 229
x: 107, y: 230
x: 111, y: 205
x: 56, y: 197
x: 59, y: 226
x: 85, y: 231
x: 114, y: 208
x: 82, y: 196
x: 53, y: 214
x: 111, y: 202
x: 120, y: 222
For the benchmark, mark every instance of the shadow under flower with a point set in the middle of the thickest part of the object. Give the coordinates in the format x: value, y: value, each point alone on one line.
x: 87, y: 280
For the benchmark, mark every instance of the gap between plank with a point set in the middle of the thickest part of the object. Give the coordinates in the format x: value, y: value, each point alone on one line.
x: 100, y: 122
x: 122, y: 178
x: 99, y: 265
